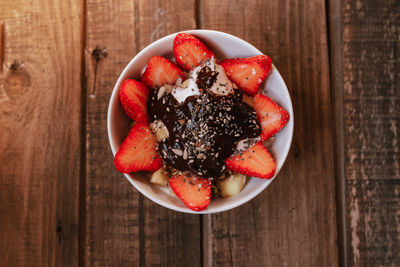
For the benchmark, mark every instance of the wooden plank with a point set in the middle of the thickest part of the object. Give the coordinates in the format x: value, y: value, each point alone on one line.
x: 371, y: 82
x: 171, y: 238
x: 111, y: 209
x: 122, y: 226
x: 40, y: 118
x: 336, y: 73
x: 373, y: 222
x: 293, y: 222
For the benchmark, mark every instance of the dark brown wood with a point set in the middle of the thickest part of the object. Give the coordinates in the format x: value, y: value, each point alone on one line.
x: 334, y: 13
x: 122, y: 226
x: 62, y: 203
x: 110, y: 206
x: 293, y: 222
x: 371, y: 101
x: 2, y: 40
x: 170, y: 238
x: 39, y: 134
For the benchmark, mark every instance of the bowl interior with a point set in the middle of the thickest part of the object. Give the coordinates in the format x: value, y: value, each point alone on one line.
x: 224, y: 46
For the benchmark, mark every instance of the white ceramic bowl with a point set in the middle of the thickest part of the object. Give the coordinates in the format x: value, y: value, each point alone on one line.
x: 224, y: 46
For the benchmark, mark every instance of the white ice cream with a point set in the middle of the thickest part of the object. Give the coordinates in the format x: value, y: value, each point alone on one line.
x: 222, y: 85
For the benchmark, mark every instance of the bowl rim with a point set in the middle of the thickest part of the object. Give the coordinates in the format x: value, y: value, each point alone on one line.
x: 226, y: 207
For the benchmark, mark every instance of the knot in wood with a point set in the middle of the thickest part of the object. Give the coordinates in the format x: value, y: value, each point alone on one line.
x: 99, y: 53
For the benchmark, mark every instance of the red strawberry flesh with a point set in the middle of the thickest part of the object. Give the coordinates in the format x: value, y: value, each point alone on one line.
x: 195, y: 192
x: 138, y: 151
x: 189, y: 51
x: 256, y: 161
x: 161, y: 71
x: 271, y: 116
x: 248, y: 73
x: 133, y: 96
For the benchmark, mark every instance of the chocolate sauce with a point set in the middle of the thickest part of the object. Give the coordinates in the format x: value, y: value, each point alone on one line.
x: 204, y: 130
x: 206, y: 78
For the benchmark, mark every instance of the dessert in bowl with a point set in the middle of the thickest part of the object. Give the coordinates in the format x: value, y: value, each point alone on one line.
x: 189, y: 119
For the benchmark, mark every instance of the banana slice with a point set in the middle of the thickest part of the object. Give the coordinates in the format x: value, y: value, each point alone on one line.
x: 232, y: 185
x: 160, y: 177
x: 159, y: 129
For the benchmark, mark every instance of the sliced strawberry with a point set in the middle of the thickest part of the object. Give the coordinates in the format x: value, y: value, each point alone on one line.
x: 248, y: 73
x: 195, y: 192
x: 133, y: 96
x: 271, y: 116
x: 138, y: 151
x: 256, y: 161
x: 160, y: 71
x: 189, y: 51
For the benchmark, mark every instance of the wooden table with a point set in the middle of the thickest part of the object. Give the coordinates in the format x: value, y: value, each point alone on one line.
x: 336, y: 201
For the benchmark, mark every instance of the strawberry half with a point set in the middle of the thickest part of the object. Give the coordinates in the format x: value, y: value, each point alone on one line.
x: 133, y: 96
x: 160, y: 71
x: 271, y: 116
x: 256, y: 161
x: 195, y: 192
x: 138, y: 151
x: 189, y: 51
x: 248, y: 73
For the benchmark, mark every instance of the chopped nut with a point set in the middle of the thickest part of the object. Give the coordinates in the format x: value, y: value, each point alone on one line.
x: 177, y: 151
x: 178, y: 81
x: 201, y: 156
x: 159, y: 129
x: 185, y: 153
x: 185, y: 84
x: 161, y: 92
x: 168, y: 88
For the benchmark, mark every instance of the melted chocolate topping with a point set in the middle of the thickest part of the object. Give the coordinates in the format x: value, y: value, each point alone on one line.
x: 204, y: 130
x: 206, y: 78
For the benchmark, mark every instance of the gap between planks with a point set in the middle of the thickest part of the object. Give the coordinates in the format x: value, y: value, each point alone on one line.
x: 82, y: 180
x: 2, y: 45
x: 334, y: 33
x: 205, y: 220
x: 198, y: 8
x: 206, y: 243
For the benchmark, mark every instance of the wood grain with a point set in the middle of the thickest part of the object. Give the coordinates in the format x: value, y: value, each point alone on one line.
x: 371, y: 101
x: 170, y: 238
x: 39, y: 137
x: 122, y: 226
x: 110, y: 208
x: 293, y: 222
x: 62, y: 203
x: 335, y: 37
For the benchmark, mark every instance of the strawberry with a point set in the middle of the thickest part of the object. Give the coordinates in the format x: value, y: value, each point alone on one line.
x: 160, y: 71
x: 138, y: 151
x: 189, y: 51
x: 195, y: 192
x: 271, y: 116
x: 248, y: 73
x: 133, y: 96
x: 256, y: 161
